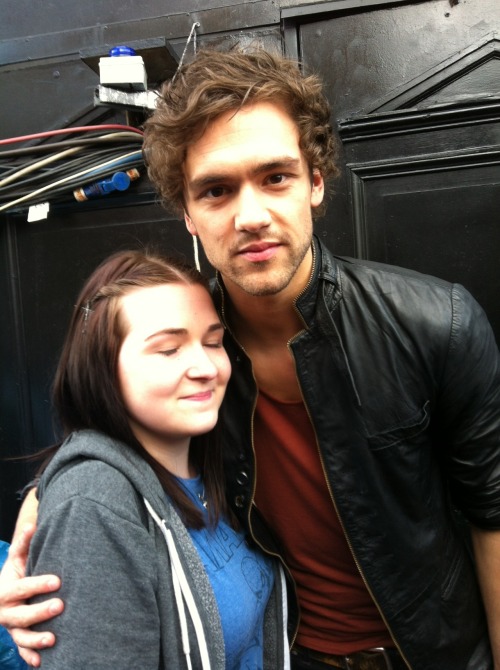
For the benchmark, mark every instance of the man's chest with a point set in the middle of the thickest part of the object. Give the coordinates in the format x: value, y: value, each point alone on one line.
x: 275, y: 373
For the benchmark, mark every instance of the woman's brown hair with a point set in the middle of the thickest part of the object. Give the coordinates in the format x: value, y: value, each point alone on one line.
x: 86, y: 392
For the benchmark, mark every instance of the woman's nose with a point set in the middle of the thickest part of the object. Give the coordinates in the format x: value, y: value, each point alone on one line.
x: 202, y: 365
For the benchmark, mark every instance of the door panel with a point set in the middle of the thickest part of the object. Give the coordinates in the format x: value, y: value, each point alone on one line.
x: 415, y: 96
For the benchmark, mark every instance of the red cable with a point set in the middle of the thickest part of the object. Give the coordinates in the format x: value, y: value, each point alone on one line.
x: 64, y: 131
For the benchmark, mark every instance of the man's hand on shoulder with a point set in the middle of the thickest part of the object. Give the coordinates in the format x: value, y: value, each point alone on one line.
x: 15, y: 589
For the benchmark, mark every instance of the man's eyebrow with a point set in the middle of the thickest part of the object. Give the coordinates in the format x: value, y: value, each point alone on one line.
x: 284, y: 162
x: 213, y: 178
x: 208, y: 180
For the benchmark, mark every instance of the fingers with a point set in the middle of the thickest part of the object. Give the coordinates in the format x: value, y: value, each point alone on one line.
x: 15, y: 614
x: 29, y: 641
x: 27, y: 514
x: 30, y: 657
x: 15, y: 566
x: 24, y: 616
x: 15, y: 589
x: 21, y: 543
x: 13, y: 593
x: 32, y: 641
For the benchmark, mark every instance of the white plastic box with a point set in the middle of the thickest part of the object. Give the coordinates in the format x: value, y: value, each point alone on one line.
x: 124, y: 72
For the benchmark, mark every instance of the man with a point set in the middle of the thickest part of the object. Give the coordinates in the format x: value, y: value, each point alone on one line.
x: 362, y: 420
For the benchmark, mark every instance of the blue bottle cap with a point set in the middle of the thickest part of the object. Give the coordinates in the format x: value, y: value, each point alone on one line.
x: 122, y: 50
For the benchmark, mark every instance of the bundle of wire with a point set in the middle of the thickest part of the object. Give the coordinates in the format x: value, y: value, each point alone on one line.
x: 50, y: 171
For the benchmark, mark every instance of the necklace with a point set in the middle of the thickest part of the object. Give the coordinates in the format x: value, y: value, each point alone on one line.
x: 195, y: 489
x: 202, y: 499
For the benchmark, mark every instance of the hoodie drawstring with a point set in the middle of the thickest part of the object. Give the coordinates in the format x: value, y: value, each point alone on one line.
x: 284, y: 606
x: 183, y: 593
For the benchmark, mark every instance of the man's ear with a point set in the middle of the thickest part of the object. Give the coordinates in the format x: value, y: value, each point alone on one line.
x: 189, y: 224
x: 318, y: 189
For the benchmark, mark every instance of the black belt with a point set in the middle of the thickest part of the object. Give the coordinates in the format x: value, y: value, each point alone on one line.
x: 371, y: 659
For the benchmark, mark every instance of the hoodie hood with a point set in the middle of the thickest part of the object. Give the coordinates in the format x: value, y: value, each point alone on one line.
x: 90, y: 444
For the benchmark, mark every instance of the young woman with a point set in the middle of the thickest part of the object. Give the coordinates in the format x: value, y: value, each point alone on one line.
x: 132, y: 516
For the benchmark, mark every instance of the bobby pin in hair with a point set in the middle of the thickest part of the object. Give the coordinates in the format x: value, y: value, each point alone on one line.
x: 86, y: 311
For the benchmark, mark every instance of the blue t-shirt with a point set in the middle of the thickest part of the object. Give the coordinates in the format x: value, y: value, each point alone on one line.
x: 242, y: 580
x: 9, y: 656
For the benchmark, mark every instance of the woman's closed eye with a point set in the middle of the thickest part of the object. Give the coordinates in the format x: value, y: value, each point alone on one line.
x: 169, y: 352
x: 214, y: 345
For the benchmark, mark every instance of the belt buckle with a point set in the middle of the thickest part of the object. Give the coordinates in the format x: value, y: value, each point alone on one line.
x: 365, y: 662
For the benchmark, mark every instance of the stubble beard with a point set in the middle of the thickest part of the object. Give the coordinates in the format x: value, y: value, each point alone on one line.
x: 265, y: 280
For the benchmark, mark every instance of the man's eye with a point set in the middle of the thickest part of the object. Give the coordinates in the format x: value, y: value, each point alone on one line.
x: 215, y: 192
x: 277, y: 179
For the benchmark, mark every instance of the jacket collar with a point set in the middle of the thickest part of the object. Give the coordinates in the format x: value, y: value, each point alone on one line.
x: 324, y: 268
x: 323, y: 278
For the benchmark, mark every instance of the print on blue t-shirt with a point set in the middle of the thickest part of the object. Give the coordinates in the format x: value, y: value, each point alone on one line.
x: 242, y: 580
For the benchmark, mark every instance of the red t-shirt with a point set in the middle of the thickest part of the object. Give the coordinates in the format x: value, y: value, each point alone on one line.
x: 338, y: 615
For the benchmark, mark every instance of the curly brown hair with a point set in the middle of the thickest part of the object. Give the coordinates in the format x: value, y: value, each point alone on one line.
x: 217, y: 82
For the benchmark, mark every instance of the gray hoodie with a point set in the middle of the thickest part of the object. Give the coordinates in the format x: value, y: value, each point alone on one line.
x: 135, y: 590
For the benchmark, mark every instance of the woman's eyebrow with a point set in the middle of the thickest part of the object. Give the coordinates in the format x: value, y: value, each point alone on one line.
x: 167, y: 331
x: 214, y: 327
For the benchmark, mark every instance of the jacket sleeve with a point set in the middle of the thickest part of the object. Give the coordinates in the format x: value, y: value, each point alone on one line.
x: 107, y: 563
x: 469, y: 412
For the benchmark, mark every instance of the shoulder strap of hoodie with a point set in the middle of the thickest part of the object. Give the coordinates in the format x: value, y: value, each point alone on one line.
x: 183, y: 594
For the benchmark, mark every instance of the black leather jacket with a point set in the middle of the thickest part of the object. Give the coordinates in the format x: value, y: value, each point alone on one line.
x: 400, y: 375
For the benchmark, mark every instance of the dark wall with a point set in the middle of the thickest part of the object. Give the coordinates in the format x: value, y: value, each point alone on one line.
x: 47, y: 82
x: 415, y: 95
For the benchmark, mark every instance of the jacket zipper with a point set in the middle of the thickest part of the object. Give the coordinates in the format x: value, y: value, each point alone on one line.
x: 254, y: 483
x: 332, y: 497
x: 358, y: 566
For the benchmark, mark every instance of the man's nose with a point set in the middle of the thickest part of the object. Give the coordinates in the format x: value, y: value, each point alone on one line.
x: 251, y: 213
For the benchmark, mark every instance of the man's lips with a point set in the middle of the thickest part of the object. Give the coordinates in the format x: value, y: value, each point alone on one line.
x: 259, y: 251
